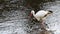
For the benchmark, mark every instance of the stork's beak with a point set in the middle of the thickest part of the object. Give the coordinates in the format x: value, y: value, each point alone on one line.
x: 30, y: 15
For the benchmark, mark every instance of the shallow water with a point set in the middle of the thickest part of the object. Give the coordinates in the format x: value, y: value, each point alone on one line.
x: 53, y: 21
x: 16, y: 21
x: 13, y: 24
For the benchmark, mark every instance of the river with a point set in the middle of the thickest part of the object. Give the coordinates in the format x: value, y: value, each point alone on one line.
x: 16, y: 21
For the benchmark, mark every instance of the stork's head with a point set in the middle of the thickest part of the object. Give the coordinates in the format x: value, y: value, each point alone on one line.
x: 31, y: 14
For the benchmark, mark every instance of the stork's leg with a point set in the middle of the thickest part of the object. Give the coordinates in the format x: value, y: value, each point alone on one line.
x: 42, y: 25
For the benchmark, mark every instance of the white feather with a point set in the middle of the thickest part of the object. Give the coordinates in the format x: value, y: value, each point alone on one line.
x: 40, y: 14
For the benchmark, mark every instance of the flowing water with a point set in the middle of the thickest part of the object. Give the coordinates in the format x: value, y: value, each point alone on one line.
x: 16, y: 21
x: 53, y: 21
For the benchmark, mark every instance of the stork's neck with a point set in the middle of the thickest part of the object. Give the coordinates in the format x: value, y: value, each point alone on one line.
x: 34, y: 13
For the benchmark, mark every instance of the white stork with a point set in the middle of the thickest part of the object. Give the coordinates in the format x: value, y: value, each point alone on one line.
x: 41, y: 15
